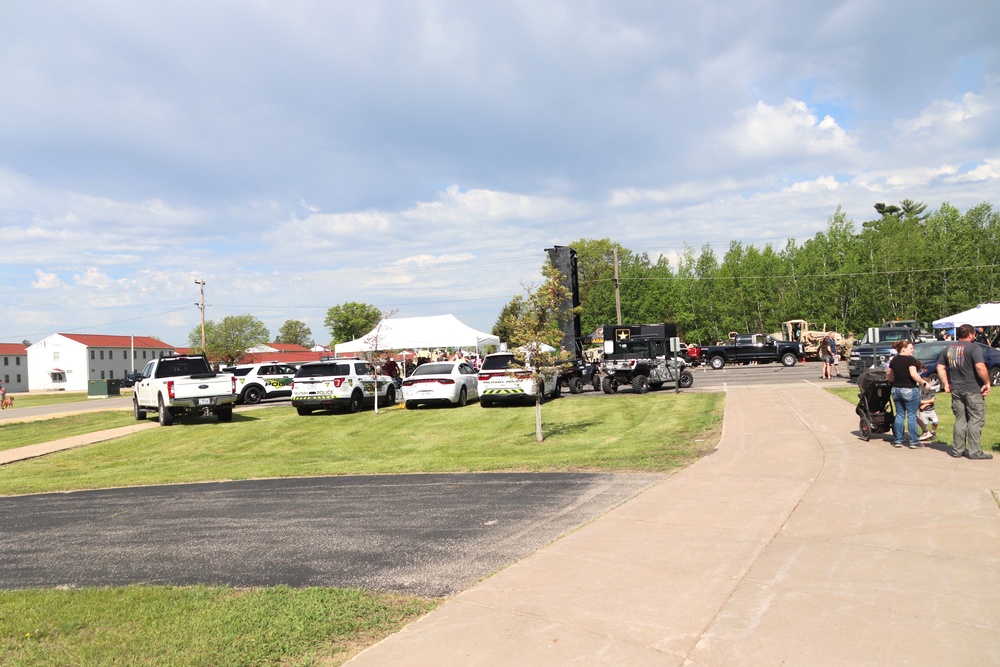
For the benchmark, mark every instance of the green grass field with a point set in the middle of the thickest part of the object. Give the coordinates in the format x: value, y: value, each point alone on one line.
x: 654, y: 432
x: 21, y: 434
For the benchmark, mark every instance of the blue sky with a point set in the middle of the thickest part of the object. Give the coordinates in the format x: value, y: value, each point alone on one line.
x: 420, y: 156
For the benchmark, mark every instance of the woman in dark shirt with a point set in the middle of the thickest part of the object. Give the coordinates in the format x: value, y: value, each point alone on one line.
x: 904, y: 374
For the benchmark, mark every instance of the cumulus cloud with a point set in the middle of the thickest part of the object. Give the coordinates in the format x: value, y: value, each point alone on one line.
x: 947, y: 113
x: 787, y: 128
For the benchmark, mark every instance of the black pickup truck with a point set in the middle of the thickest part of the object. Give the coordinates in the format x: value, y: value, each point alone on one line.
x: 864, y: 355
x: 758, y: 348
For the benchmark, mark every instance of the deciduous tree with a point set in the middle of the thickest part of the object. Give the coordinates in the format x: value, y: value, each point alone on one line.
x: 351, y: 320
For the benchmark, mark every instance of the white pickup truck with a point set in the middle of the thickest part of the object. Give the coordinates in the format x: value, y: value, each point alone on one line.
x: 179, y: 385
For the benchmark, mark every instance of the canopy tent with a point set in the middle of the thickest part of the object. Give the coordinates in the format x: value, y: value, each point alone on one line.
x: 418, y: 332
x: 983, y: 315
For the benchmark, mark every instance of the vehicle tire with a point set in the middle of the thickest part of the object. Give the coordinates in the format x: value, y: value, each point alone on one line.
x: 304, y: 411
x: 485, y: 402
x: 575, y: 385
x: 463, y: 397
x: 866, y: 429
x: 166, y: 418
x: 936, y: 381
x: 655, y: 385
x: 788, y: 360
x: 139, y: 414
x: 597, y: 382
x: 411, y: 405
x: 995, y: 376
x: 640, y: 384
x: 224, y: 414
x: 609, y: 385
x: 556, y: 390
x: 390, y: 397
x: 717, y: 362
x: 356, y: 402
x: 687, y: 379
x: 253, y: 394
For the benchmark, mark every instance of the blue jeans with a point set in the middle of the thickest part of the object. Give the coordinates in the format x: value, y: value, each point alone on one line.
x: 907, y: 401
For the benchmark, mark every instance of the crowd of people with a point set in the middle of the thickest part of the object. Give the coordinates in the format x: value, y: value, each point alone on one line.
x: 962, y: 372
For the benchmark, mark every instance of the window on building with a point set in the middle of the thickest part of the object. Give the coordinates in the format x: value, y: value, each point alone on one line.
x: 93, y: 355
x: 144, y: 354
x: 6, y: 379
x: 102, y: 375
x: 6, y: 361
x: 19, y: 378
x: 55, y: 356
x: 17, y: 361
x: 102, y: 355
x: 111, y: 375
x: 111, y: 354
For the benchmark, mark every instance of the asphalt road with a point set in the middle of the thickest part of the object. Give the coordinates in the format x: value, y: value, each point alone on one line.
x: 429, y: 535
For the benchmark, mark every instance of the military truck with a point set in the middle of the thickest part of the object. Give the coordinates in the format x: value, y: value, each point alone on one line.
x: 639, y: 356
x: 800, y: 331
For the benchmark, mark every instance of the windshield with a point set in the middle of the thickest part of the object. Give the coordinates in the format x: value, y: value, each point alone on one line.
x: 889, y: 336
x: 434, y: 369
x: 323, y: 370
x: 499, y: 362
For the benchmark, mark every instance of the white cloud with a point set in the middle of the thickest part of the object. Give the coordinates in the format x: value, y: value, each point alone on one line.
x: 787, y: 128
x: 947, y: 113
x: 46, y: 281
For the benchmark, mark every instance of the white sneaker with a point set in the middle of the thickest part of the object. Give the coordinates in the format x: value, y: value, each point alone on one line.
x: 926, y: 435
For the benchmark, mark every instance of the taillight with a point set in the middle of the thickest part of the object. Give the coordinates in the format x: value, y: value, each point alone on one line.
x: 234, y: 384
x: 522, y: 375
x: 446, y: 381
x: 407, y: 383
x: 337, y: 382
x: 170, y: 389
x: 483, y: 376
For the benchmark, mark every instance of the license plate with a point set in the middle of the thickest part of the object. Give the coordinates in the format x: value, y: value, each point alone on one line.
x: 204, y: 401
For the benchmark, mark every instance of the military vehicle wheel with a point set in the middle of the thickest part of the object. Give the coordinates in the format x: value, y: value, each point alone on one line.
x: 717, y: 362
x: 597, y: 383
x: 687, y: 379
x: 655, y: 385
x: 640, y: 384
x: 609, y: 385
x: 788, y: 359
x: 355, y: 404
x: 390, y: 397
x: 576, y: 385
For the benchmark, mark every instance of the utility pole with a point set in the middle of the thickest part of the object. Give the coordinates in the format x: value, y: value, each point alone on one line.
x: 618, y: 294
x: 201, y: 306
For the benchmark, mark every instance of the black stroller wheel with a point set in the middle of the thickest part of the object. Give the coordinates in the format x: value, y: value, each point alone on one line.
x: 866, y: 429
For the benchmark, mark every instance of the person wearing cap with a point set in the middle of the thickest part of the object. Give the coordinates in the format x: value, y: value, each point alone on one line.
x: 962, y: 372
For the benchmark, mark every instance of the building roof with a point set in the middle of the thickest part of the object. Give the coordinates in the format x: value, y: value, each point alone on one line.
x: 102, y: 340
x: 13, y: 348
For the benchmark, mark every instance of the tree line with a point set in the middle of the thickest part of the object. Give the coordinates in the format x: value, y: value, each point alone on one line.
x: 903, y: 264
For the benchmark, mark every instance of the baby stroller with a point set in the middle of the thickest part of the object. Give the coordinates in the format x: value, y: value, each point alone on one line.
x: 875, y: 403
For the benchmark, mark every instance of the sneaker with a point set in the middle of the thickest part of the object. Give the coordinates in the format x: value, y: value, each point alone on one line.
x: 978, y: 456
x: 926, y: 435
x: 897, y: 444
x: 954, y: 454
x: 914, y: 445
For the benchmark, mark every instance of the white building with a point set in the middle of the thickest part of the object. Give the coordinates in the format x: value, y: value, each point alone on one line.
x: 14, y: 367
x: 71, y: 361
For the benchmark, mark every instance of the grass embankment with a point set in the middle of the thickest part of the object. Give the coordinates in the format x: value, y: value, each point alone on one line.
x: 654, y: 432
x: 991, y: 431
x: 54, y: 398
x: 316, y: 626
x: 21, y: 434
x: 210, y: 626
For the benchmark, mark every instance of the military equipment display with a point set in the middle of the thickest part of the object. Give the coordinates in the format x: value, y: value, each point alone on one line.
x: 639, y: 356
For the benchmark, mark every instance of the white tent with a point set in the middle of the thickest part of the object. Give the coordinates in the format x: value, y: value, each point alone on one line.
x: 983, y: 315
x: 418, y: 332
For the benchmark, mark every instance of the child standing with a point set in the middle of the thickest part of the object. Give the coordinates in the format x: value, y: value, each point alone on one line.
x: 927, y: 417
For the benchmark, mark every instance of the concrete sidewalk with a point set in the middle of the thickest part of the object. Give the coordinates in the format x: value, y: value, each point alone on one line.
x: 41, y: 449
x: 795, y: 543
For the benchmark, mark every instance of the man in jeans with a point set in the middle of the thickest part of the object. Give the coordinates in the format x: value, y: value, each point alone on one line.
x: 963, y: 373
